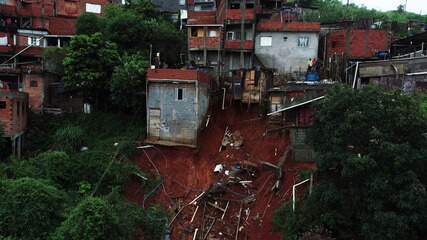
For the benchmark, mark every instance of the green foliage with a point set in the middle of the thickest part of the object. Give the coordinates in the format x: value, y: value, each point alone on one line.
x: 69, y: 138
x: 371, y: 168
x: 108, y: 63
x: 29, y: 208
x: 88, y: 24
x: 96, y: 218
x: 89, y: 64
x: 154, y: 222
x: 128, y: 83
x: 336, y: 10
x: 52, y: 60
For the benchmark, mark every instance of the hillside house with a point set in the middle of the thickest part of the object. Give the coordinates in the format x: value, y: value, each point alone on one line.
x: 13, y: 115
x: 223, y: 34
x: 177, y: 103
x: 287, y: 46
x: 291, y: 108
x: 407, y: 74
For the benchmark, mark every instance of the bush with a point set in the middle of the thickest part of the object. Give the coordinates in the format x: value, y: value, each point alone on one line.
x: 69, y: 138
x: 29, y: 208
x: 97, y: 218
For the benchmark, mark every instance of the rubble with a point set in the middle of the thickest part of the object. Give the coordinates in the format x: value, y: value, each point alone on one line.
x: 225, y: 194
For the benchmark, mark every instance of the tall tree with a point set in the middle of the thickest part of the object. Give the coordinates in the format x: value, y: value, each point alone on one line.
x: 128, y: 83
x: 89, y: 64
x: 371, y: 169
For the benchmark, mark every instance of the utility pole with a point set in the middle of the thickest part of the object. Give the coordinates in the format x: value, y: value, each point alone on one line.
x: 406, y: 5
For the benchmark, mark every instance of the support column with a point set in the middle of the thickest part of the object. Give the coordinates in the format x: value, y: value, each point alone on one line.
x: 205, y: 50
x: 242, y: 32
x: 19, y: 147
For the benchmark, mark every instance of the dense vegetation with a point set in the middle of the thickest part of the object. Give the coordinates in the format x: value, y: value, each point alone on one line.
x: 330, y: 11
x: 70, y: 183
x: 79, y: 167
x: 371, y: 181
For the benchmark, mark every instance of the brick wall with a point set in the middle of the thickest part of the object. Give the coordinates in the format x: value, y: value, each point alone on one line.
x: 357, y: 43
x: 198, y: 42
x: 235, y: 44
x: 35, y: 85
x: 14, y: 116
x: 268, y: 25
x: 237, y: 14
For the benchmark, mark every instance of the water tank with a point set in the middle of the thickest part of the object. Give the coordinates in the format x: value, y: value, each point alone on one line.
x: 312, y: 76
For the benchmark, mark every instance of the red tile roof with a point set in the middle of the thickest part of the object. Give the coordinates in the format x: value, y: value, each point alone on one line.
x: 177, y: 74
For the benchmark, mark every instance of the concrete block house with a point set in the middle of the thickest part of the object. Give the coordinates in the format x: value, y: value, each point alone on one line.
x: 286, y: 46
x: 177, y: 103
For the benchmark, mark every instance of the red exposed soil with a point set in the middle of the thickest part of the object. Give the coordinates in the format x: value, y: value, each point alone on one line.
x: 188, y: 172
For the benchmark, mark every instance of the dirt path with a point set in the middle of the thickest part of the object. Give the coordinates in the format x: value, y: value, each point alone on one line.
x: 188, y: 172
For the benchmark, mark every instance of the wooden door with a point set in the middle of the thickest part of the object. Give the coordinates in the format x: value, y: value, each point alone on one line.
x: 154, y: 125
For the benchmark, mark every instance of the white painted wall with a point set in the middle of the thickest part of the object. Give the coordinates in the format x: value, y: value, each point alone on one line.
x: 285, y: 55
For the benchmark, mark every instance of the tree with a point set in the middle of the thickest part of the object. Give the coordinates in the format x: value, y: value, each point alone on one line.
x: 401, y: 8
x: 88, y: 24
x: 371, y: 169
x: 98, y: 219
x: 29, y: 208
x: 88, y: 65
x: 52, y: 60
x: 128, y: 83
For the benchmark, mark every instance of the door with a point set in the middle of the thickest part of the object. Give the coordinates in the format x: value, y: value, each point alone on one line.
x: 154, y: 126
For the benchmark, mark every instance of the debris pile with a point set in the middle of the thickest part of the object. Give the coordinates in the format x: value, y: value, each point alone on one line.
x: 234, y: 140
x: 225, y: 209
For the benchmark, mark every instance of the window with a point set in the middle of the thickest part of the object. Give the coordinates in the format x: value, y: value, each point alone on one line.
x: 212, y: 33
x: 181, y: 2
x: 3, y: 41
x: 3, y: 2
x: 204, y: 7
x: 194, y: 32
x: 2, y: 104
x: 93, y: 8
x: 33, y: 83
x: 179, y: 94
x: 34, y: 41
x: 303, y: 41
x: 230, y: 35
x: 266, y: 41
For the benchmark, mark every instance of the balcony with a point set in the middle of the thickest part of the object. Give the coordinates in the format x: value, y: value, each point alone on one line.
x: 199, y: 43
x: 237, y: 14
x: 235, y: 44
